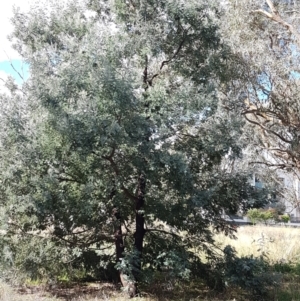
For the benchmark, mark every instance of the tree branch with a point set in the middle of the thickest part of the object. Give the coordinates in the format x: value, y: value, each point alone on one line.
x: 263, y: 12
x: 62, y: 179
x: 117, y: 172
x: 174, y: 55
x: 266, y: 129
x: 272, y: 7
x: 274, y: 16
x: 166, y: 62
x: 163, y: 231
x: 272, y: 164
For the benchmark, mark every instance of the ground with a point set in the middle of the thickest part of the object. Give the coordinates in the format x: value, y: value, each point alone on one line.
x: 279, y: 244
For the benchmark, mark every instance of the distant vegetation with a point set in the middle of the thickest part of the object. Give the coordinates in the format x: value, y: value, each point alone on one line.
x: 267, y: 216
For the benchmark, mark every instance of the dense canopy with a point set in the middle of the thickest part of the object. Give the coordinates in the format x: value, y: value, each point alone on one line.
x: 124, y: 146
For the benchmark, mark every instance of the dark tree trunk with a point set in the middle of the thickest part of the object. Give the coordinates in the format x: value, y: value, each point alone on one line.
x: 139, y: 223
x: 131, y: 284
x: 119, y: 243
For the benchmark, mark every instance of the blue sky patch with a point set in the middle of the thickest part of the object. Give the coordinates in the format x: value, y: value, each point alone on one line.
x: 16, y: 68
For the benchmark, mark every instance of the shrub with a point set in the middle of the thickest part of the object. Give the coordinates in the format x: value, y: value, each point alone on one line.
x: 252, y: 274
x: 283, y: 267
x: 284, y: 218
x: 254, y: 215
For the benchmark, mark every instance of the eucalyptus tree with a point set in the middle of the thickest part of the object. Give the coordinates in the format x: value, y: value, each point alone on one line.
x: 265, y: 34
x: 122, y: 142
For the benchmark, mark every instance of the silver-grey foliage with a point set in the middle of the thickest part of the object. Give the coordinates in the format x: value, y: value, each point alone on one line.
x: 123, y: 138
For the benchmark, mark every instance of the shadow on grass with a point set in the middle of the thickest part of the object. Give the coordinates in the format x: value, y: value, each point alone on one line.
x: 73, y: 291
x: 190, y: 291
x: 160, y: 291
x: 289, y: 290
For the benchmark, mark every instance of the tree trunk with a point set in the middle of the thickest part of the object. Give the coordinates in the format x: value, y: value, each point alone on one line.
x: 119, y: 243
x: 127, y: 283
x: 139, y: 223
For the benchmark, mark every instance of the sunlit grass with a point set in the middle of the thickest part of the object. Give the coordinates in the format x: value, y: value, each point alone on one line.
x: 280, y: 244
x: 7, y: 293
x: 192, y: 291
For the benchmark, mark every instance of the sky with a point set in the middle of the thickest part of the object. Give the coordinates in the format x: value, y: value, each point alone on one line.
x: 9, y: 59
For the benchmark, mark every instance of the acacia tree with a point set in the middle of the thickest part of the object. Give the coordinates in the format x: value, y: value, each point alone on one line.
x: 120, y: 139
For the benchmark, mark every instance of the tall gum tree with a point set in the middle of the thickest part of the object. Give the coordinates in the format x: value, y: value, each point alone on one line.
x: 265, y: 35
x: 122, y: 140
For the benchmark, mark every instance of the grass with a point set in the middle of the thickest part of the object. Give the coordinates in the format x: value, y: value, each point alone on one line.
x: 88, y: 292
x: 7, y: 293
x: 280, y: 244
x: 281, y: 247
x: 97, y: 291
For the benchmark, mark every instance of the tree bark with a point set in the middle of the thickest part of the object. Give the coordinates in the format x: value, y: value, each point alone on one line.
x: 140, y: 225
x: 119, y: 243
x: 128, y: 284
x: 131, y: 284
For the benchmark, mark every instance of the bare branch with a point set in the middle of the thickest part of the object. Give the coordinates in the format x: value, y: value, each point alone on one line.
x: 282, y: 165
x: 272, y: 7
x: 274, y: 16
x: 62, y: 179
x: 174, y: 55
x: 163, y: 231
x: 263, y: 12
x: 267, y: 130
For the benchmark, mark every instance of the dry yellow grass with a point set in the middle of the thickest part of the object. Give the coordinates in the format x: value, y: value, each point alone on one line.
x: 7, y: 293
x: 89, y: 292
x: 280, y: 243
x: 193, y: 291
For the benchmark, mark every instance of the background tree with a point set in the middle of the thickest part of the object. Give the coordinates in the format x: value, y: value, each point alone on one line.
x: 265, y: 35
x: 122, y: 141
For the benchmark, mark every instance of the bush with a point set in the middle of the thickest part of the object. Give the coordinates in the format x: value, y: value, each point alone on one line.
x: 283, y: 267
x: 284, y: 218
x: 256, y: 215
x: 252, y: 274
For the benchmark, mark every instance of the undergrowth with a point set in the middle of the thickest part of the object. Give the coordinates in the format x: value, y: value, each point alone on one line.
x: 255, y: 268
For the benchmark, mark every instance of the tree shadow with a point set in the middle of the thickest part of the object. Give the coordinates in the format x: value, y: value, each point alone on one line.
x: 72, y: 291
